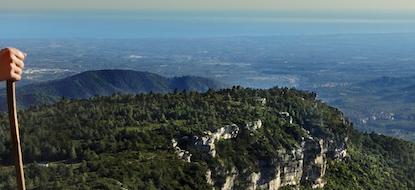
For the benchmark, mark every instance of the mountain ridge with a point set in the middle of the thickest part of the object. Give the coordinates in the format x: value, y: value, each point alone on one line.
x: 104, y: 83
x: 227, y: 139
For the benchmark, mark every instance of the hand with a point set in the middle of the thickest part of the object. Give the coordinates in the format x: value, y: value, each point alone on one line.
x: 11, y: 64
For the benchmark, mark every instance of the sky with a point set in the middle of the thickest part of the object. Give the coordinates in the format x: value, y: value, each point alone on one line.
x: 308, y: 5
x: 201, y: 18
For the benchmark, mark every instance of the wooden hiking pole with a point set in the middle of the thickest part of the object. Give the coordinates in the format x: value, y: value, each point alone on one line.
x: 14, y: 131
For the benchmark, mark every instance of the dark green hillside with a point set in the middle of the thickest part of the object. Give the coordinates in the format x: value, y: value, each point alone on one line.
x: 127, y: 141
x: 105, y: 83
x: 193, y: 83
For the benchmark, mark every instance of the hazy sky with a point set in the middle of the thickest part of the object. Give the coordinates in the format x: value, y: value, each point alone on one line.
x: 317, y: 5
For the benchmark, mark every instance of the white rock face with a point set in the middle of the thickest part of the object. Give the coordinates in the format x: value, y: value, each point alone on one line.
x: 209, y: 141
x: 304, y: 164
x: 224, y: 133
x: 262, y: 101
x: 275, y: 183
x: 341, y: 152
x: 321, y: 162
x: 286, y: 116
x: 288, y: 170
x: 253, y: 179
x: 230, y: 180
x: 182, y: 154
x: 291, y: 167
x: 315, y: 162
x: 253, y: 126
x: 209, y: 177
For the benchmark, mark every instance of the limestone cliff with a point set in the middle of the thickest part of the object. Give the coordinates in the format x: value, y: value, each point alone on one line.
x: 305, y: 164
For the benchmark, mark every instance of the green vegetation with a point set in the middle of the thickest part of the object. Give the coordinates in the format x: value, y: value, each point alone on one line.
x: 125, y: 141
x: 375, y: 162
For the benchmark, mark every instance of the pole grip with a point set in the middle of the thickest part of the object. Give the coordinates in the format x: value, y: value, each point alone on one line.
x: 14, y: 132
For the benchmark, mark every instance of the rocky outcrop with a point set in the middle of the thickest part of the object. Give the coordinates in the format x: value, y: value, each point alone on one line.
x: 253, y: 181
x: 253, y: 126
x: 290, y: 167
x: 286, y: 116
x: 182, y: 154
x: 209, y: 178
x: 285, y: 170
x: 208, y: 142
x: 230, y: 180
x: 315, y: 162
x: 262, y: 101
x: 305, y: 164
x: 340, y: 150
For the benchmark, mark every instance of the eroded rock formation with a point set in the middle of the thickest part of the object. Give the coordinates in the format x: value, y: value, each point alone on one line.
x: 305, y: 164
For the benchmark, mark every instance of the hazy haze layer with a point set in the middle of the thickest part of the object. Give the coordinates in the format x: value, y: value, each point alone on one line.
x: 395, y: 5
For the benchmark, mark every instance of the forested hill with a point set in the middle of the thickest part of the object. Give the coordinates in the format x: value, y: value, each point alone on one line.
x: 230, y: 139
x: 105, y: 83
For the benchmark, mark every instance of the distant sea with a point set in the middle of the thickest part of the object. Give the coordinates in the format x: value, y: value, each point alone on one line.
x: 157, y: 24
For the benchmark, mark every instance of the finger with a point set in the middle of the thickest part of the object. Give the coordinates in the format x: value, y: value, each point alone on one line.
x: 15, y: 76
x: 18, y: 62
x: 18, y: 71
x: 20, y: 55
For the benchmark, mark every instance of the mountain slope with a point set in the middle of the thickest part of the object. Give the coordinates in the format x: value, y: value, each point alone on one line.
x: 105, y: 83
x: 229, y: 139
